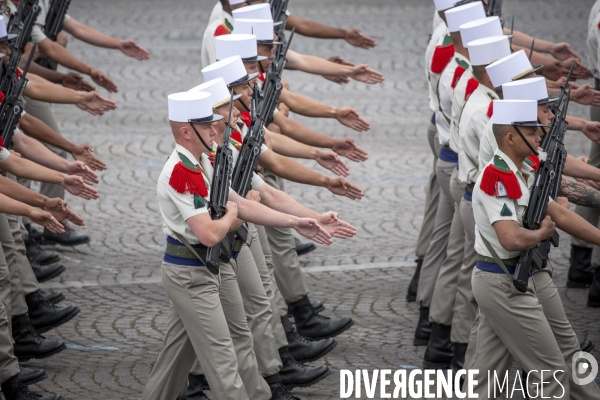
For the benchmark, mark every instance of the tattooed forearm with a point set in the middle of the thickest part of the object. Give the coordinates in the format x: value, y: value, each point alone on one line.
x: 579, y: 193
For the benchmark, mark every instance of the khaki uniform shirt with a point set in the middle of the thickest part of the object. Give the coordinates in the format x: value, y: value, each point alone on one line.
x: 487, y: 146
x: 593, y: 13
x: 437, y: 38
x: 489, y: 209
x: 458, y: 103
x: 177, y: 208
x: 208, y: 54
x: 592, y: 44
x: 37, y: 33
x: 445, y: 96
x: 471, y: 125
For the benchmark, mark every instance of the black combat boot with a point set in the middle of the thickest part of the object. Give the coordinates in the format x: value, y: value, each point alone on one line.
x: 36, y: 253
x: 310, y: 324
x: 439, y: 352
x: 197, y: 384
x: 69, y: 238
x: 594, y: 293
x: 581, y: 273
x: 318, y: 306
x: 423, y: 331
x: 14, y: 389
x: 44, y: 273
x: 304, y: 247
x: 305, y: 349
x: 28, y: 344
x: 458, y: 359
x: 44, y: 315
x: 414, y: 282
x: 53, y: 297
x: 30, y: 376
x: 587, y: 346
x: 295, y: 374
x: 278, y: 390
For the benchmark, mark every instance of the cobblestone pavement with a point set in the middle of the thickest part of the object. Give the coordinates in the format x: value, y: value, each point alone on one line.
x: 116, y: 281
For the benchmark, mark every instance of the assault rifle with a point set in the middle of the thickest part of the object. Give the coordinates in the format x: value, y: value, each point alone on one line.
x: 494, y: 8
x: 10, y: 111
x: 219, y: 193
x: 547, y: 184
x: 279, y: 11
x: 272, y: 87
x: 21, y: 23
x: 54, y: 18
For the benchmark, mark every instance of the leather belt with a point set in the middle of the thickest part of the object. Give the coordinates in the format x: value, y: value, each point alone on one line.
x: 184, y: 252
x: 510, y: 261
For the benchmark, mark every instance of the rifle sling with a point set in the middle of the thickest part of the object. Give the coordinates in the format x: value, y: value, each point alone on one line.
x: 194, y: 252
x: 495, y: 255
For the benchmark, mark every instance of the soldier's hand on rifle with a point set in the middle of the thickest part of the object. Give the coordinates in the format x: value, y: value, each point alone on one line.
x: 547, y: 228
x: 80, y: 169
x: 331, y: 161
x: 562, y: 51
x: 83, y: 152
x: 131, y: 48
x: 253, y: 195
x: 76, y: 186
x: 363, y: 73
x: 357, y: 39
x: 350, y: 117
x: 46, y: 219
x: 74, y: 81
x: 285, y: 110
x: 60, y: 210
x: 336, y: 227
x: 343, y: 187
x: 103, y: 80
x: 585, y: 94
x: 96, y: 104
x: 232, y: 208
x: 347, y: 148
x: 311, y: 229
x: 592, y: 130
x: 563, y: 201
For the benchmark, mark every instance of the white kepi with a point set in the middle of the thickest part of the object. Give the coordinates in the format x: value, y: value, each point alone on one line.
x: 515, y: 112
x: 231, y: 69
x: 462, y: 14
x: 441, y: 5
x: 527, y: 89
x: 262, y: 28
x: 487, y: 50
x: 510, y: 68
x: 237, y: 44
x: 479, y: 29
x: 255, y: 11
x: 193, y: 107
x: 219, y: 93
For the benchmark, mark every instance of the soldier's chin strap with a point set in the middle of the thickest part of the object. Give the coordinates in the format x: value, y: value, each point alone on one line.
x: 526, y: 142
x: 200, y: 137
x: 241, y: 102
x: 226, y: 120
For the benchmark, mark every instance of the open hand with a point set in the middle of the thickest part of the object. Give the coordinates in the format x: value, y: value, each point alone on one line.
x: 133, y: 49
x: 95, y: 103
x: 585, y: 95
x: 331, y: 161
x: 76, y: 186
x: 343, y: 187
x: 363, y: 73
x: 341, y: 61
x: 79, y: 168
x: 349, y: 117
x: 340, y: 80
x: 562, y: 51
x: 73, y: 80
x: 83, y: 153
x: 46, y: 219
x: 357, y: 39
x: 592, y: 131
x: 60, y: 210
x: 311, y: 229
x: 347, y: 148
x: 336, y: 227
x: 103, y: 80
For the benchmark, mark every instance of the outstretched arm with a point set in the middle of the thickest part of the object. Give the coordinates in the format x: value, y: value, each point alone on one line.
x: 317, y: 30
x: 10, y: 206
x: 573, y: 224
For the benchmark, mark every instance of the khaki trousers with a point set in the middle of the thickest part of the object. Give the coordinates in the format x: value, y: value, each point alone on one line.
x: 445, y: 286
x: 29, y: 282
x: 513, y: 325
x: 207, y: 321
x: 258, y: 309
x: 15, y: 256
x: 288, y: 273
x: 432, y: 196
x: 266, y: 248
x: 464, y: 309
x: 436, y: 252
x: 43, y: 111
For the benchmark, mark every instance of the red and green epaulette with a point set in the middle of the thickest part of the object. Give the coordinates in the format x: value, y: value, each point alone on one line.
x: 498, y: 180
x: 224, y: 29
x: 472, y: 85
x: 236, y: 139
x: 442, y: 55
x: 187, y: 178
x: 459, y: 71
x: 533, y: 162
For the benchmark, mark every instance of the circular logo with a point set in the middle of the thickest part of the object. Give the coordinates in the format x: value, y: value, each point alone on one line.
x: 584, y: 368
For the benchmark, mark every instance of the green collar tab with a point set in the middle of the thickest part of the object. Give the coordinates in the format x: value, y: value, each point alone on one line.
x: 501, y: 164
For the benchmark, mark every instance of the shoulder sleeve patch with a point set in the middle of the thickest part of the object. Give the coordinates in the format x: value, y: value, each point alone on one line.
x: 506, y: 212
